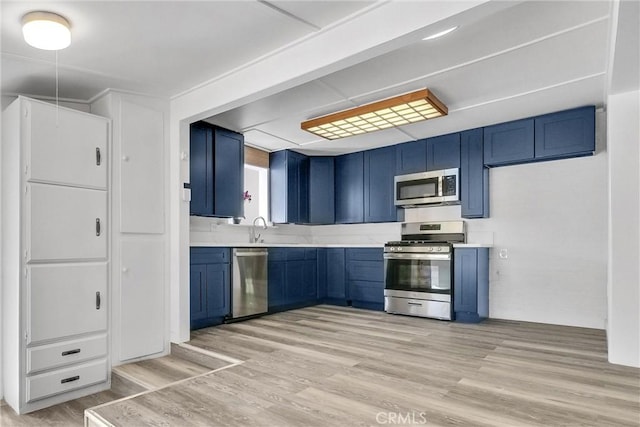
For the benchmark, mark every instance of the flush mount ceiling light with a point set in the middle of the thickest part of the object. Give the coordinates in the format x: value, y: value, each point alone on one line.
x: 400, y: 110
x: 46, y: 30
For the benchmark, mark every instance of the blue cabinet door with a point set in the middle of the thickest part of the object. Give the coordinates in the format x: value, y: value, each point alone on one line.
x: 365, y: 277
x: 201, y: 170
x: 277, y: 279
x: 336, y: 278
x: 321, y: 190
x: 295, y: 282
x: 210, y: 286
x: 321, y: 277
x: 379, y: 172
x: 471, y: 284
x: 278, y: 187
x: 349, y: 188
x: 310, y: 284
x: 229, y: 173
x: 443, y: 152
x: 198, y: 294
x: 509, y: 143
x: 411, y: 157
x: 474, y: 177
x: 289, y: 187
x: 566, y: 133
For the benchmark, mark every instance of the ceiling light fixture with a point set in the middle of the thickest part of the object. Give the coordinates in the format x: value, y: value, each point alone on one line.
x: 46, y: 30
x: 441, y: 33
x: 400, y: 110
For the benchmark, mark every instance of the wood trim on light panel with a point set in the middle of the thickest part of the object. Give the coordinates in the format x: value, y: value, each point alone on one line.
x: 255, y: 157
x: 435, y: 106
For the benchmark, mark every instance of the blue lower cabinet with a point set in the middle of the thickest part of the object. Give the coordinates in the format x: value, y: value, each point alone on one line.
x: 210, y: 286
x: 336, y: 277
x: 293, y: 278
x: 471, y: 284
x: 365, y: 277
x: 321, y: 274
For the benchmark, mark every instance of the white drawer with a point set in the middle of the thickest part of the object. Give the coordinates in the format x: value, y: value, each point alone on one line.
x: 66, y: 379
x: 65, y: 353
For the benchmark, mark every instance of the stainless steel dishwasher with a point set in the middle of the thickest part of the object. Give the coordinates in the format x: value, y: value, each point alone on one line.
x: 250, y: 282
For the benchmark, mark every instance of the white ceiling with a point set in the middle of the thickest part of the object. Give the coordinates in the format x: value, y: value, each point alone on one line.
x: 514, y: 60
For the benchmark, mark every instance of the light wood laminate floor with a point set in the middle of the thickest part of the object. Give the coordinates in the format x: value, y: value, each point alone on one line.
x: 334, y: 366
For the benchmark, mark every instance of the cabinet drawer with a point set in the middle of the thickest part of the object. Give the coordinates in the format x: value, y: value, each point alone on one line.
x: 66, y: 379
x: 296, y: 254
x: 365, y: 254
x: 210, y: 255
x: 66, y: 223
x: 65, y: 353
x: 370, y: 271
x: 277, y: 254
x: 64, y: 301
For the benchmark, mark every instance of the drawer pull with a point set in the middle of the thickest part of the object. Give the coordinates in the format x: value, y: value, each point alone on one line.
x: 414, y: 303
x: 70, y: 379
x: 98, y: 156
x: 98, y: 300
x: 69, y: 352
x: 97, y: 226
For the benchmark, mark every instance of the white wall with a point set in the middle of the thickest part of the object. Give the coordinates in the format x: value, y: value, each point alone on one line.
x: 624, y: 229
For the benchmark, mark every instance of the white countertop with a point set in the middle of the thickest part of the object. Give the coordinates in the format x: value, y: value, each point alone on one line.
x: 314, y: 245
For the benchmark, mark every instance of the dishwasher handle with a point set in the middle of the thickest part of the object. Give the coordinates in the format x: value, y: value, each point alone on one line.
x: 250, y: 253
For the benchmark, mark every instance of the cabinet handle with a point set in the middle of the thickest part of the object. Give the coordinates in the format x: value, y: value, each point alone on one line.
x: 70, y: 379
x: 414, y: 303
x: 98, y: 300
x: 97, y: 226
x: 98, y: 156
x: 70, y: 352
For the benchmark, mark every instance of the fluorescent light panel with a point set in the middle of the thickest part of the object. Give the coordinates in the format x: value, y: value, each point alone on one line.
x: 397, y: 111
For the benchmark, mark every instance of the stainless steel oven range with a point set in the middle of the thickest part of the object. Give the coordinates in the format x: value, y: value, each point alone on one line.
x: 419, y: 269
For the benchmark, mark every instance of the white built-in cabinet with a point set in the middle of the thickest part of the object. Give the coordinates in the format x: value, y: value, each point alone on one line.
x: 140, y: 284
x: 55, y: 254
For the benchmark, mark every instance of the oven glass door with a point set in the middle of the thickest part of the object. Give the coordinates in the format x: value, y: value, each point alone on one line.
x: 418, y: 273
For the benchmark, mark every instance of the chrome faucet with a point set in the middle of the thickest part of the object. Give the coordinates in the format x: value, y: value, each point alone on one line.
x: 253, y: 237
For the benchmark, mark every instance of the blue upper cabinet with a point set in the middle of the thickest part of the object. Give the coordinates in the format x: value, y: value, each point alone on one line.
x: 509, y: 143
x: 567, y: 133
x: 474, y: 177
x: 201, y: 170
x: 349, y: 188
x: 443, y: 152
x: 289, y: 187
x: 411, y: 157
x: 321, y: 190
x: 216, y: 171
x: 229, y: 173
x: 379, y: 198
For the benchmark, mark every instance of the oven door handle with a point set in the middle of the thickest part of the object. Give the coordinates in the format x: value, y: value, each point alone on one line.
x: 428, y: 257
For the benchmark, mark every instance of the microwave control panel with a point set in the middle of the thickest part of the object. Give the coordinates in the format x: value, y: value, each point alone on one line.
x: 449, y: 186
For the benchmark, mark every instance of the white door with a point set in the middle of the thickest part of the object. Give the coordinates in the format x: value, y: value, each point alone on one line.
x: 66, y: 146
x: 66, y: 300
x: 142, y: 305
x: 66, y: 223
x: 142, y: 170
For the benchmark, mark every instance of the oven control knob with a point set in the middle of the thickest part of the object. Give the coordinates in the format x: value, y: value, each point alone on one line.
x: 439, y: 249
x: 400, y: 249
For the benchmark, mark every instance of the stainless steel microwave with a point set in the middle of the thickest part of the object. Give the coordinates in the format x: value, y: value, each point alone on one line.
x: 423, y: 188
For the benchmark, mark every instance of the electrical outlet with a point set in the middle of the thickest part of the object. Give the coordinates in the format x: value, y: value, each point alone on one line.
x: 503, y: 253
